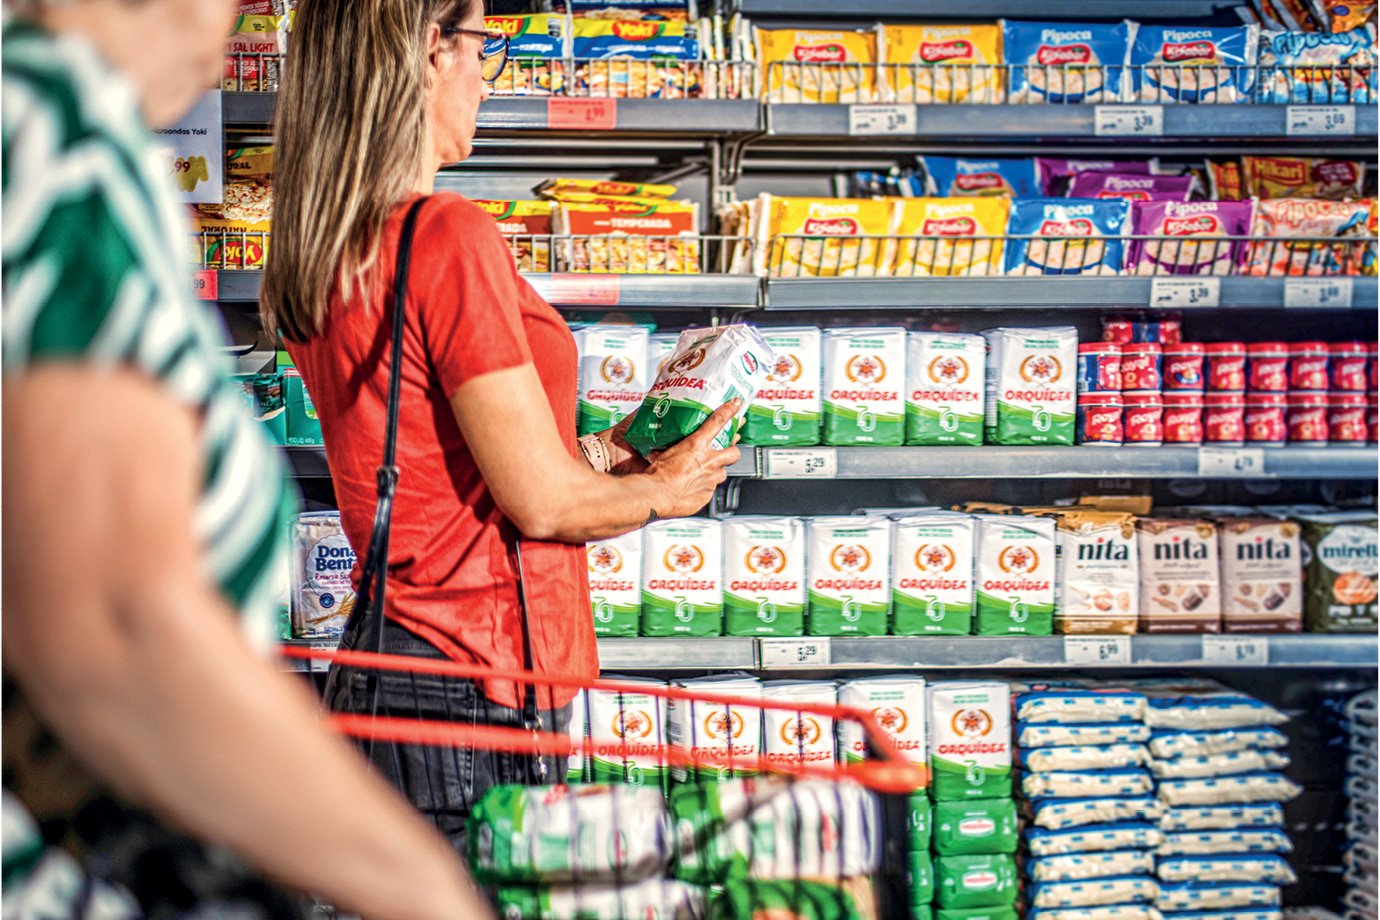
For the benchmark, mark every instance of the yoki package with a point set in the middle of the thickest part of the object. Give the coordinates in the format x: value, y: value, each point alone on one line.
x: 682, y: 578
x: 1327, y: 68
x: 235, y: 233
x: 710, y: 367
x: 1084, y: 236
x: 537, y: 48
x: 1097, y: 573
x: 1196, y: 237
x: 1302, y: 177
x: 958, y: 236
x: 1066, y: 62
x: 932, y: 574
x: 1287, y: 224
x: 613, y: 374
x: 527, y: 225
x: 253, y: 53
x: 1015, y: 575
x: 637, y: 58
x: 1056, y: 173
x: 942, y: 64
x: 1030, y: 385
x: 959, y: 177
x: 787, y: 408
x: 1130, y: 186
x: 823, y: 237
x: 944, y: 388
x: 559, y: 188
x: 1194, y: 64
x: 805, y: 65
x: 629, y: 237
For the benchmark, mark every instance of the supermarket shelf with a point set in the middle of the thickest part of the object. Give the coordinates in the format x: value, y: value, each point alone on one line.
x: 719, y: 653
x: 985, y: 9
x: 234, y: 286
x: 248, y: 110
x: 307, y: 462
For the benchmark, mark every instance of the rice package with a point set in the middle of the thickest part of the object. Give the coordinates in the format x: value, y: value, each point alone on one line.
x: 1056, y: 734
x: 1288, y: 223
x: 1229, y: 790
x: 787, y: 409
x: 898, y: 705
x: 1210, y: 711
x: 1056, y: 173
x: 636, y: 58
x: 970, y: 740
x: 764, y: 576
x: 1084, y: 236
x: 944, y: 388
x: 1098, y: 838
x: 1238, y: 868
x: 810, y: 65
x: 964, y: 882
x: 960, y: 237
x: 1319, y: 68
x: 848, y: 569
x: 1015, y: 575
x: 1031, y: 386
x: 710, y: 367
x: 823, y: 237
x: 615, y: 583
x: 1190, y: 896
x: 682, y: 578
x: 1168, y: 744
x: 1066, y: 62
x: 1208, y: 765
x: 527, y: 228
x: 724, y: 738
x: 1084, y: 758
x: 970, y: 826
x: 932, y: 590
x: 323, y: 594
x: 1303, y: 177
x: 1057, y: 814
x: 864, y: 380
x: 1194, y: 64
x: 1097, y: 573
x: 1068, y: 784
x: 1195, y: 237
x: 1339, y: 571
x: 963, y: 177
x: 613, y: 374
x: 1101, y: 892
x: 538, y: 45
x: 942, y: 64
x: 1236, y: 840
x: 653, y: 897
x: 628, y: 729
x: 1084, y: 866
x: 1130, y: 186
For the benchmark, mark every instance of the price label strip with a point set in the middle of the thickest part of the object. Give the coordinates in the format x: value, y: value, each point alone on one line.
x: 802, y: 463
x: 1128, y: 121
x: 567, y: 114
x: 1185, y: 292
x: 1097, y: 650
x: 1236, y: 650
x: 1320, y: 121
x: 578, y: 289
x: 1229, y: 462
x: 206, y: 284
x: 1318, y: 293
x: 793, y: 653
x: 881, y: 120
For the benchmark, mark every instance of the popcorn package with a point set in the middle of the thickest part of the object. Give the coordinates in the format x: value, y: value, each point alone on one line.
x: 1130, y: 187
x: 1194, y: 237
x: 970, y: 740
x: 527, y: 225
x: 962, y: 236
x: 1321, y: 68
x: 1066, y: 62
x: 615, y: 584
x: 944, y: 388
x: 1057, y: 173
x: 1015, y: 575
x: 823, y: 237
x: 764, y: 576
x: 1031, y: 386
x: 1261, y: 575
x: 932, y: 575
x: 1303, y: 177
x: 1288, y: 222
x: 800, y: 65
x: 958, y: 177
x: 1097, y: 573
x: 1180, y: 576
x: 537, y: 48
x: 864, y: 373
x: 613, y: 374
x: 682, y: 578
x: 787, y: 409
x: 942, y: 64
x: 849, y: 578
x: 1084, y: 236
x: 1194, y: 64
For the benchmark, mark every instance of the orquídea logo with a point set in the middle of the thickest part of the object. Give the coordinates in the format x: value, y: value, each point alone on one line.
x: 766, y: 560
x: 850, y: 558
x: 866, y: 369
x: 1041, y: 369
x: 683, y: 559
x: 948, y: 370
x: 686, y: 362
x: 786, y: 369
x: 617, y: 369
x: 935, y: 558
x: 1020, y: 560
x: 604, y: 559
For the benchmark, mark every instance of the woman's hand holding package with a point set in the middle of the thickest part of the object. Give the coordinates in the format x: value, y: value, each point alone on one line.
x: 692, y: 469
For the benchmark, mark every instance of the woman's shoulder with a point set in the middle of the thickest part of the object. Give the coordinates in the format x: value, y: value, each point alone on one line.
x: 451, y: 210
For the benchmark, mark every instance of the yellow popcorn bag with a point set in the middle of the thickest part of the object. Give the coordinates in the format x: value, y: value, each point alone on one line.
x: 955, y: 225
x: 946, y: 64
x: 630, y: 237
x: 800, y: 65
x: 559, y: 188
x: 824, y: 237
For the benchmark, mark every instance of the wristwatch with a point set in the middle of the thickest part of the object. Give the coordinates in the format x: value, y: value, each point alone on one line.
x: 596, y: 453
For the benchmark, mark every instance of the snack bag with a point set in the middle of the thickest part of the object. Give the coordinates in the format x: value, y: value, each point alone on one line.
x: 556, y: 188
x: 1339, y: 571
x: 932, y: 590
x: 1225, y: 181
x: 630, y: 237
x: 1194, y: 64
x: 637, y: 58
x: 1085, y: 236
x: 1066, y: 62
x: 253, y: 54
x: 961, y: 236
x: 942, y: 63
x: 1194, y: 237
x: 864, y: 377
x: 1031, y: 389
x: 764, y: 572
x: 787, y: 409
x: 249, y: 163
x: 824, y: 237
x: 527, y: 225
x: 1056, y: 173
x: 1286, y: 222
x: 1303, y: 177
x: 944, y: 388
x: 849, y: 575
x: 682, y: 578
x: 800, y: 65
x: 615, y: 583
x: 1015, y: 575
x: 538, y: 46
x: 1097, y: 572
x: 1097, y: 184
x: 958, y: 177
x: 1323, y: 68
x: 613, y: 374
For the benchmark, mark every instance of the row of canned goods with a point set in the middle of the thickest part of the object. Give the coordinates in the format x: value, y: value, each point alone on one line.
x: 1150, y: 418
x: 1226, y: 367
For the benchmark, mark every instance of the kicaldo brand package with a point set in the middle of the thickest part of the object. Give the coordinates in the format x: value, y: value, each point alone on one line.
x: 615, y: 583
x: 793, y: 739
x: 932, y: 590
x: 944, y: 388
x: 613, y: 374
x: 1097, y: 573
x: 847, y: 564
x: 764, y: 576
x: 1031, y: 386
x: 961, y: 236
x: 323, y: 596
x: 787, y: 409
x: 899, y: 706
x: 682, y: 578
x: 1180, y: 576
x: 942, y: 63
x: 822, y: 237
x: 724, y: 739
x: 799, y: 65
x: 1340, y: 571
x: 1262, y: 589
x: 864, y: 386
x: 628, y: 730
x: 1015, y: 575
x: 970, y: 740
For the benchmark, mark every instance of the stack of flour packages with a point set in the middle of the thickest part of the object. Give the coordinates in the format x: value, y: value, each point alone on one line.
x: 1359, y: 860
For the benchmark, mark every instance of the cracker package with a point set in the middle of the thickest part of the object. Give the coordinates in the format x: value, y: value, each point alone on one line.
x: 787, y: 409
x: 1031, y: 390
x: 538, y: 46
x: 1291, y: 227
x: 823, y: 237
x: 1180, y: 575
x: 1084, y: 236
x: 253, y: 53
x: 1262, y: 587
x: 1195, y: 237
x: 629, y: 237
x: 960, y: 236
x: 932, y: 574
x: 962, y: 177
x: 1339, y: 571
x: 1194, y: 64
x: 944, y: 388
x: 1066, y: 62
x: 807, y: 65
x: 1321, y: 68
x: 637, y: 58
x: 1097, y: 573
x: 1303, y: 177
x: 527, y: 225
x: 1015, y: 575
x: 942, y: 64
x: 864, y: 386
x: 1130, y: 186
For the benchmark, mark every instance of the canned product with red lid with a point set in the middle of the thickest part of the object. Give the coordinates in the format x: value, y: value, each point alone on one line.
x: 1116, y: 331
x: 1372, y: 421
x: 1308, y: 366
x: 1143, y: 419
x: 1307, y: 418
x: 1099, y: 367
x: 1373, y: 361
x: 1183, y: 366
x: 1141, y: 366
x: 1099, y: 420
x: 1346, y: 419
x: 1267, y: 367
x: 1183, y: 418
x: 1224, y: 419
x: 1226, y: 366
x: 1265, y: 423
x: 1348, y: 366
x: 1124, y: 332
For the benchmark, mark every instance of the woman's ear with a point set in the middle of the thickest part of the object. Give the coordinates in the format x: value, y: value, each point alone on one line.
x: 432, y: 43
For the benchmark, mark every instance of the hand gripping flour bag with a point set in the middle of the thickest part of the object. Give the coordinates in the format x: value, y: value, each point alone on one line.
x: 764, y: 576
x: 710, y: 367
x: 970, y: 740
x: 787, y: 409
x: 1015, y: 575
x: 864, y: 380
x: 682, y: 578
x: 725, y: 739
x: 932, y: 575
x: 1097, y: 573
x: 1031, y: 389
x: 613, y: 374
x: 794, y: 739
x: 848, y: 569
x: 944, y: 388
x: 615, y: 583
x: 628, y: 729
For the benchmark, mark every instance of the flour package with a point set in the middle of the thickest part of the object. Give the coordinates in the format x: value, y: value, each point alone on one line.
x: 1059, y: 814
x: 932, y: 574
x: 1180, y: 576
x: 764, y: 576
x: 723, y: 739
x: 1075, y: 759
x: 898, y: 704
x: 849, y: 576
x: 682, y: 578
x: 1031, y: 386
x: 323, y: 596
x: 613, y: 374
x: 628, y: 730
x: 1015, y: 575
x: 787, y: 409
x: 970, y: 740
x: 577, y: 728
x: 972, y: 826
x: 653, y: 897
x: 1262, y: 583
x: 864, y: 386
x: 1237, y: 868
x: 710, y: 367
x: 615, y: 583
x: 1097, y: 573
x: 944, y: 388
x: 661, y: 346
x: 1067, y: 784
x: 795, y: 739
x: 1077, y: 704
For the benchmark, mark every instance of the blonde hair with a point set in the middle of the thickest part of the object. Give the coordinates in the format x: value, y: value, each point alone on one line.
x: 349, y: 131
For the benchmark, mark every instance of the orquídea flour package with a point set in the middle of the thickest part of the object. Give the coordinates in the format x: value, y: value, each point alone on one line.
x: 628, y: 729
x: 932, y: 574
x: 1097, y: 572
x: 864, y: 386
x: 613, y: 374
x: 798, y: 738
x: 682, y: 578
x: 714, y: 733
x: 898, y: 705
x: 710, y: 367
x: 615, y: 583
x: 849, y: 576
x: 1015, y: 575
x: 944, y: 388
x: 787, y: 408
x: 764, y: 576
x: 1031, y: 390
x: 970, y: 740
x: 661, y: 346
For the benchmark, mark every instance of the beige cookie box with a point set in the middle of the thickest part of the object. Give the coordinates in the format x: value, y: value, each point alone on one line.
x: 1180, y: 575
x: 1262, y: 575
x: 1098, y: 579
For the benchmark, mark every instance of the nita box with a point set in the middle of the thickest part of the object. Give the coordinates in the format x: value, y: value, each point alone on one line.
x: 787, y: 409
x: 764, y: 575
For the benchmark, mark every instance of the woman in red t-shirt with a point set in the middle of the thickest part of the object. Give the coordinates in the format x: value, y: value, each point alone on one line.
x: 374, y: 100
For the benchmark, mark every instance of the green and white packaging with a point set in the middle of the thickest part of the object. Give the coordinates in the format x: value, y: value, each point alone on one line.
x: 972, y: 826
x: 650, y: 899
x: 792, y: 739
x: 1031, y: 385
x: 764, y: 576
x: 628, y: 730
x: 849, y: 575
x: 613, y: 374
x: 660, y: 347
x: 919, y: 822
x: 797, y: 899
x: 944, y: 388
x: 615, y: 584
x: 978, y: 913
x: 710, y: 367
x: 712, y: 730
x: 898, y: 705
x: 1015, y: 575
x: 578, y: 729
x: 932, y: 574
x: 970, y: 740
x: 920, y: 875
x: 964, y: 882
x: 682, y: 578
x: 787, y: 408
x: 864, y: 386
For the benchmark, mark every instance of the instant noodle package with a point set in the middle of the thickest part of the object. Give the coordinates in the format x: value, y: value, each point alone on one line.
x: 538, y: 46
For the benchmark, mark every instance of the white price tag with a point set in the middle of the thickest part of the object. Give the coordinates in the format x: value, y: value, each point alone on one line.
x: 1236, y: 650
x: 881, y: 119
x: 793, y: 653
x: 1097, y: 650
x: 1231, y: 461
x: 1318, y: 292
x: 1128, y: 121
x: 1185, y: 292
x: 1325, y: 120
x: 803, y: 463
